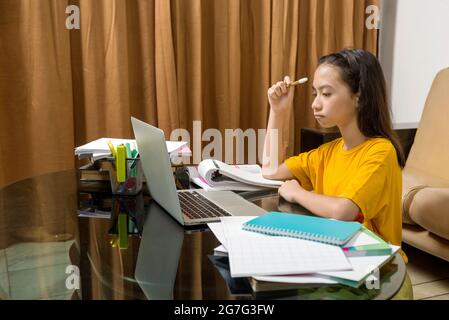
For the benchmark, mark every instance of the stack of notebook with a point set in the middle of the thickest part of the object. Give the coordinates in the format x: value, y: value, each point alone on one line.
x: 281, y: 248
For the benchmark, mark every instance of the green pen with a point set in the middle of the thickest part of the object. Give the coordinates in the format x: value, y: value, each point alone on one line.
x: 134, y: 163
x: 128, y: 150
x: 128, y: 156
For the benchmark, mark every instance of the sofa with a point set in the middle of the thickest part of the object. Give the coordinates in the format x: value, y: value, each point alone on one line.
x: 425, y: 205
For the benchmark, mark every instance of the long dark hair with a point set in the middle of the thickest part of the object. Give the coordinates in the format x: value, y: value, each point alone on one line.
x: 361, y: 71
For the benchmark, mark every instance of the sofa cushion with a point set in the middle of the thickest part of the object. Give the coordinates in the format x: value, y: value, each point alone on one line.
x: 426, y: 241
x: 430, y: 209
x: 429, y: 151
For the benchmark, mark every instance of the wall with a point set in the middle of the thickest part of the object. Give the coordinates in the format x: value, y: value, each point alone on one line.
x: 413, y: 47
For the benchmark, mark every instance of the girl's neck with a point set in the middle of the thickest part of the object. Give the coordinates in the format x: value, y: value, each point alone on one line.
x: 352, y: 136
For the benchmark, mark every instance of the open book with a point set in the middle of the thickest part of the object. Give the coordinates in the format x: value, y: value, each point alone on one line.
x: 216, y: 175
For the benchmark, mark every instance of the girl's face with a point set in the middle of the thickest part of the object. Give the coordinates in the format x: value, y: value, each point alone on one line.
x: 334, y: 103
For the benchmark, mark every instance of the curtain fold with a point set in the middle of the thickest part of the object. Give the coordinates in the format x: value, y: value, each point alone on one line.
x: 36, y: 102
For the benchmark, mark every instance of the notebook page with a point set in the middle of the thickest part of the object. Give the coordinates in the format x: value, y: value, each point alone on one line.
x: 362, y: 266
x: 175, y: 145
x: 245, y: 176
x: 201, y: 180
x: 252, y: 254
x: 361, y: 239
x: 217, y: 230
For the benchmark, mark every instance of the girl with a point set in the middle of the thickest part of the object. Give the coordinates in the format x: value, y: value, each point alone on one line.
x: 357, y: 177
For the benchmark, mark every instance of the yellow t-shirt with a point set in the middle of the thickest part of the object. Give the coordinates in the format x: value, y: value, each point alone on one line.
x: 368, y: 174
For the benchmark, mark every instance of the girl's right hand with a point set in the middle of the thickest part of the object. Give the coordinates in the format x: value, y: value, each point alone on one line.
x: 279, y: 95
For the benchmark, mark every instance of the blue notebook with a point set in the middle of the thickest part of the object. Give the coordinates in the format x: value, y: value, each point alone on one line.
x: 305, y: 227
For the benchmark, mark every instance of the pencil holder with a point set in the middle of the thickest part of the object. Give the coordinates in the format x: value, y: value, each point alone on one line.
x: 127, y: 177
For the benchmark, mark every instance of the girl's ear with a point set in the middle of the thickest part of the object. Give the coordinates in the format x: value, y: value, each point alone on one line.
x: 357, y: 96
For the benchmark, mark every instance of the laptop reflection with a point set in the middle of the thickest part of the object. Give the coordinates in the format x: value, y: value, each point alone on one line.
x: 159, y: 253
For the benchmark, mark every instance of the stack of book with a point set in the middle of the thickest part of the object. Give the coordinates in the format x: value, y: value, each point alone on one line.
x: 98, y: 153
x: 100, y: 149
x: 278, y: 251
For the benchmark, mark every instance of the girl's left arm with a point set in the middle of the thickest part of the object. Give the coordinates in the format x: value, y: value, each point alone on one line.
x: 323, y: 206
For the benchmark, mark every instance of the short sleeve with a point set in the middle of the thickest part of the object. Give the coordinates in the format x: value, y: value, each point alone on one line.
x: 303, y: 167
x: 368, y: 187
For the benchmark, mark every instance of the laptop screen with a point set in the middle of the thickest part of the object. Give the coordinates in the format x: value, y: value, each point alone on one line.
x: 156, y: 167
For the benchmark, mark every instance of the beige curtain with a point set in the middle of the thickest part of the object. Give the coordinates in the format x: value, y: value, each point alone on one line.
x: 166, y: 62
x: 36, y: 104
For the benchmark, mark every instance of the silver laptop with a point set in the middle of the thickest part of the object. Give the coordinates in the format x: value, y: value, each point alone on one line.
x: 188, y: 207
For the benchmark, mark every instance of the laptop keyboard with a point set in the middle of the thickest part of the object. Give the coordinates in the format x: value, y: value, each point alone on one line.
x: 195, y: 206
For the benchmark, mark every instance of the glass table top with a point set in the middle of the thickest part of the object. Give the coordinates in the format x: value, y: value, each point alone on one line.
x: 60, y: 240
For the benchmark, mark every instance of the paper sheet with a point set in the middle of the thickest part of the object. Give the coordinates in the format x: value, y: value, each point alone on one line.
x: 217, y: 230
x: 362, y: 266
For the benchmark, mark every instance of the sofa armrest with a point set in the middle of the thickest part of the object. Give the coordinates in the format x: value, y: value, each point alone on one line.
x: 407, y: 199
x: 429, y: 208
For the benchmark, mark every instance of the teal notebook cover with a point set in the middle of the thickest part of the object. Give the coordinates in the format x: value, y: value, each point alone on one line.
x: 305, y: 227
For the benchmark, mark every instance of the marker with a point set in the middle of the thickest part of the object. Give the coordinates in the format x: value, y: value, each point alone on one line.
x: 112, y: 148
x: 114, y: 241
x: 120, y: 163
x: 123, y: 231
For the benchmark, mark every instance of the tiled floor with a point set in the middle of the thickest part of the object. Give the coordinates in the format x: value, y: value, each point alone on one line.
x: 4, y: 281
x: 429, y: 275
x: 25, y: 256
x: 35, y: 271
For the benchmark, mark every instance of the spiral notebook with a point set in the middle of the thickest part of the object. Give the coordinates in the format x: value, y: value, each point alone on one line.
x: 324, y: 230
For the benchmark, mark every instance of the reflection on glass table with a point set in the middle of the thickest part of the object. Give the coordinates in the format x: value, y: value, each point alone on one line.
x: 167, y: 261
x: 159, y: 252
x: 43, y: 234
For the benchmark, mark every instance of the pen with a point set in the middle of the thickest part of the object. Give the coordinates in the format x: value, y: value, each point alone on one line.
x: 135, y: 154
x: 128, y: 150
x: 128, y: 156
x: 300, y: 81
